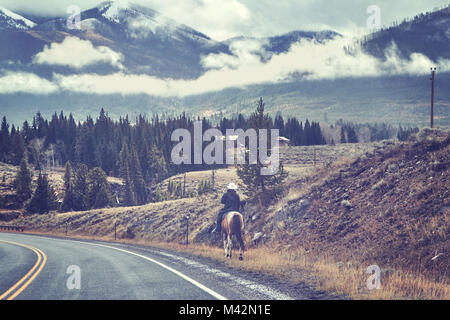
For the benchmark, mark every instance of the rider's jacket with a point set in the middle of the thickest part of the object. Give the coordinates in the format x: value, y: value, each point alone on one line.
x: 231, y: 201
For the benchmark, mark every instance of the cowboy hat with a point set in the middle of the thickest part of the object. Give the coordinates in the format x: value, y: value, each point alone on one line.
x: 232, y: 186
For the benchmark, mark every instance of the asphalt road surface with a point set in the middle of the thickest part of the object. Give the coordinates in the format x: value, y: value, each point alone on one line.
x: 47, y: 268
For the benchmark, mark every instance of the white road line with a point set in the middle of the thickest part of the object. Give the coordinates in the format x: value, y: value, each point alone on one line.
x: 262, y: 289
x: 181, y: 275
x: 227, y: 277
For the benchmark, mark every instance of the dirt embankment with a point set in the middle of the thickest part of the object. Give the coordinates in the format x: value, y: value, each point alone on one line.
x: 390, y: 207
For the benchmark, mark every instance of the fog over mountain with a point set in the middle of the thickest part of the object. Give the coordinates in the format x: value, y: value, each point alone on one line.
x: 157, y: 64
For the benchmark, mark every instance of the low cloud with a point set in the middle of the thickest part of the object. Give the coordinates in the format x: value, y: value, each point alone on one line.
x: 114, y: 83
x: 24, y: 82
x: 307, y: 60
x: 311, y: 60
x: 244, y: 51
x: 141, y: 27
x: 77, y: 53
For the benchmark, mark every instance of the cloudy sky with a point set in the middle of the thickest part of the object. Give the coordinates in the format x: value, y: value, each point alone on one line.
x: 222, y: 19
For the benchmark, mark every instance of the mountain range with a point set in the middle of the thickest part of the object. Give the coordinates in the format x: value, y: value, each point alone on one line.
x: 149, y: 42
x: 14, y: 22
x: 133, y: 40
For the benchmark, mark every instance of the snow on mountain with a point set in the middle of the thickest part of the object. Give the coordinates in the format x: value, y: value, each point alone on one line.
x: 142, y: 22
x: 150, y: 42
x: 114, y: 10
x: 11, y: 20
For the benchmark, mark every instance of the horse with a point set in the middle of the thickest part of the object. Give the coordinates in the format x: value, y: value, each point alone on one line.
x: 233, y: 224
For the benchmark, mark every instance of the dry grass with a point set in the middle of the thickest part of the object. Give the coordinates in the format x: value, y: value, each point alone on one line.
x: 325, y: 274
x: 396, y: 284
x: 299, y: 267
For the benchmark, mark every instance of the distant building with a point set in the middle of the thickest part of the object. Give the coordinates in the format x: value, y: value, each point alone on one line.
x: 283, y: 141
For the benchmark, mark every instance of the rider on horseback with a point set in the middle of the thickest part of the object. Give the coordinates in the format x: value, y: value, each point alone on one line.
x: 231, y: 202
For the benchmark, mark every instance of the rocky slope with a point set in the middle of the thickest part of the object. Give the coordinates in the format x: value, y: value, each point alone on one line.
x: 390, y: 207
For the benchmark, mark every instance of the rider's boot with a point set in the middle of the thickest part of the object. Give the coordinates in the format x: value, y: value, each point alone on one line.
x: 218, y: 228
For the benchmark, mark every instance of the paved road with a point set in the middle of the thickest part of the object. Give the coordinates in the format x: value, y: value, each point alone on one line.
x: 37, y: 267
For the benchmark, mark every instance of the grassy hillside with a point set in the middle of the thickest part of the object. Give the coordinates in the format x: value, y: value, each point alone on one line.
x: 344, y: 208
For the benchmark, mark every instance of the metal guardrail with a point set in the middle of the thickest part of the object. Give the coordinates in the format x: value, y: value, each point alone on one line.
x: 12, y: 228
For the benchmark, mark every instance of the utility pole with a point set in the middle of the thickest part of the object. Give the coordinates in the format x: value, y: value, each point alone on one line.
x: 213, y: 178
x: 187, y: 228
x: 433, y: 71
x: 184, y: 185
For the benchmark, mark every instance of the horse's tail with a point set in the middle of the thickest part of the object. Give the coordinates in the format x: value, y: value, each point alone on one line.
x: 237, y: 224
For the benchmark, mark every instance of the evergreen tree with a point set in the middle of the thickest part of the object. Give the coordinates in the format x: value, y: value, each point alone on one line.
x: 124, y: 163
x: 17, y: 148
x: 144, y: 154
x: 128, y: 196
x: 279, y: 123
x: 41, y: 126
x: 70, y: 137
x: 85, y: 145
x: 157, y: 165
x: 131, y: 173
x: 4, y: 140
x: 22, y: 182
x: 250, y: 174
x: 98, y: 194
x: 81, y: 188
x: 44, y: 197
x: 27, y: 133
x: 307, y: 135
x: 352, y: 136
x: 137, y: 178
x: 69, y: 201
x: 343, y: 139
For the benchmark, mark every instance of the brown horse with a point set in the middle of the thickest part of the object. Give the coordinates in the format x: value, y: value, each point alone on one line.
x: 233, y: 224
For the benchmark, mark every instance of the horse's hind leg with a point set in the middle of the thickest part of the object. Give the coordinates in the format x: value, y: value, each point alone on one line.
x: 241, y: 246
x: 229, y: 245
x: 225, y: 247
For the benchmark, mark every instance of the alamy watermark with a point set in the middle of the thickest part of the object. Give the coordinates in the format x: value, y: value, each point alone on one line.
x: 74, y: 280
x: 74, y: 20
x: 234, y: 142
x: 374, y: 20
x: 374, y: 281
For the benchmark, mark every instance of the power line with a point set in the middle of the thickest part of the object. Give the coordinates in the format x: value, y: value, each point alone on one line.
x: 433, y: 71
